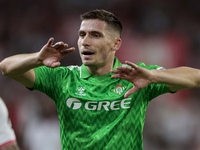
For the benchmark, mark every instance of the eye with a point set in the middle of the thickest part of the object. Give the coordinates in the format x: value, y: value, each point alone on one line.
x: 81, y: 34
x: 96, y: 35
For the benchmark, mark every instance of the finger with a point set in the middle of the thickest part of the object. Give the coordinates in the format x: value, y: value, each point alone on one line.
x: 131, y: 64
x: 119, y: 76
x: 68, y: 51
x: 125, y: 70
x: 115, y: 71
x: 60, y: 46
x: 50, y: 42
x: 55, y: 64
x: 131, y: 91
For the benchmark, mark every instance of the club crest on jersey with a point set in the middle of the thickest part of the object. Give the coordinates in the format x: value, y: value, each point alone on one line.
x: 119, y: 89
x: 80, y: 91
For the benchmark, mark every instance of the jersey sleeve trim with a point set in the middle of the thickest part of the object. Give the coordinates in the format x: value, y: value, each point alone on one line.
x: 8, y: 143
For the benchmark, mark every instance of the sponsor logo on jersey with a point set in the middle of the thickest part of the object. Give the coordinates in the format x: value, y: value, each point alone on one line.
x: 81, y: 91
x: 99, y: 105
x: 119, y: 89
x: 74, y: 103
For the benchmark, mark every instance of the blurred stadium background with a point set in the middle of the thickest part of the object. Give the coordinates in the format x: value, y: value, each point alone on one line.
x: 165, y: 33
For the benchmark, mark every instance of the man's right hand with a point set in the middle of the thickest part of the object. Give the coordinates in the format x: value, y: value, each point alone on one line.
x: 20, y: 67
x: 50, y: 54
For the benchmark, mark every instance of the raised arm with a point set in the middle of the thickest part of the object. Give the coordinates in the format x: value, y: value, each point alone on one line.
x: 177, y: 78
x: 20, y: 67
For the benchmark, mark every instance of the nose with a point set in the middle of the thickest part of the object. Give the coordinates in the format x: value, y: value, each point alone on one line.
x: 85, y: 40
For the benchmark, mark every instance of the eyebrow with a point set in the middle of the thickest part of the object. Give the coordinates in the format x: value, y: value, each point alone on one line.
x: 91, y: 32
x: 80, y: 31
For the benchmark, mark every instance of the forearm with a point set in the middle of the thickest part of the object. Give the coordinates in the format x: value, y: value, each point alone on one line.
x: 18, y: 64
x: 177, y: 78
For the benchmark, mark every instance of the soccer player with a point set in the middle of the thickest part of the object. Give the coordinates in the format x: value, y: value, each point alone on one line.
x: 102, y: 103
x: 7, y: 134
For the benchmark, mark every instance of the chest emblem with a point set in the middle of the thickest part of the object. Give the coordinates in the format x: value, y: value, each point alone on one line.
x: 81, y: 91
x: 119, y: 89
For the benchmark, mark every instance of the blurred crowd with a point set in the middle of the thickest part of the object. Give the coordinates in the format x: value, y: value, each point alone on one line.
x: 164, y: 33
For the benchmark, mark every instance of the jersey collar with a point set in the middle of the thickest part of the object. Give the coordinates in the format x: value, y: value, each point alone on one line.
x: 84, y: 73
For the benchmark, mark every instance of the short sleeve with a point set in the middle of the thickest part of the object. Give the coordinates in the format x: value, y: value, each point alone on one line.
x: 48, y: 80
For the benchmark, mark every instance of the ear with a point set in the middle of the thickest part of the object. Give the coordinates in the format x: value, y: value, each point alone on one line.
x: 117, y: 44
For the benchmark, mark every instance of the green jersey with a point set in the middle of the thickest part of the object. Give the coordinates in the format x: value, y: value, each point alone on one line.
x: 92, y: 110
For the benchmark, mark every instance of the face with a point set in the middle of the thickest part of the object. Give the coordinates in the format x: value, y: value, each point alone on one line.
x: 96, y: 43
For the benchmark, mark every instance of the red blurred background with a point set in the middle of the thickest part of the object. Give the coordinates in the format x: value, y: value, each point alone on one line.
x: 164, y: 33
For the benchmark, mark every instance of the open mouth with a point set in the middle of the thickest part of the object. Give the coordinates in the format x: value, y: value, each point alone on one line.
x: 88, y: 53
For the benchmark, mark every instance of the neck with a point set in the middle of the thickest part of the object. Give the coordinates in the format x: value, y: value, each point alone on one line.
x: 101, y: 70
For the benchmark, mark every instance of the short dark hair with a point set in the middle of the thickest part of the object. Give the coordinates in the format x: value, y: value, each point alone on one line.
x: 106, y: 16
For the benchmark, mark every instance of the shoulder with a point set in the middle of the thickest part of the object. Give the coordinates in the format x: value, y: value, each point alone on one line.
x: 57, y: 69
x: 143, y: 65
x: 74, y: 68
x: 150, y: 67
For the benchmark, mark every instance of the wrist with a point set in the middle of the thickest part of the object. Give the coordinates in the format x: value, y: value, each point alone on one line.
x: 153, y: 78
x: 38, y: 59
